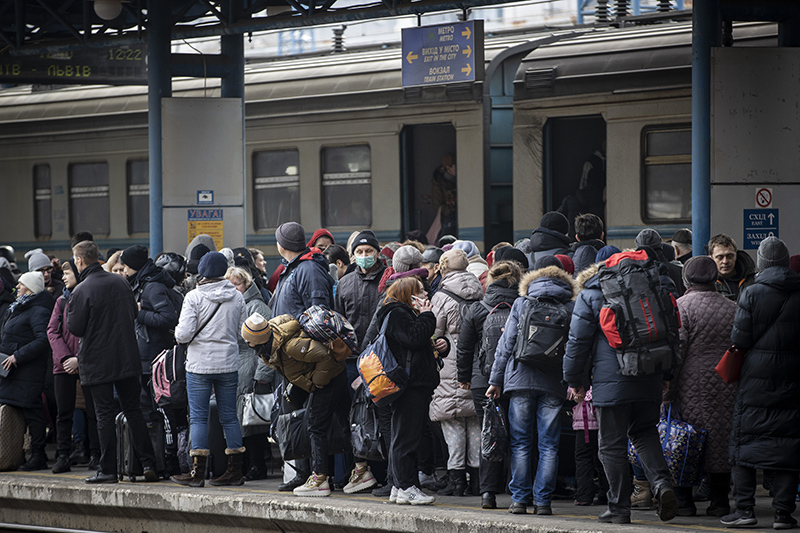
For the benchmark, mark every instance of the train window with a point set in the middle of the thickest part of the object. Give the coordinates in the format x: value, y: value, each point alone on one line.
x: 42, y: 201
x: 138, y: 171
x: 667, y: 174
x: 276, y: 194
x: 88, y: 198
x: 346, y: 186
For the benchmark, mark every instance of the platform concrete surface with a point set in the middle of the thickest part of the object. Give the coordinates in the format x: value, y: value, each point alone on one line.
x: 65, y: 501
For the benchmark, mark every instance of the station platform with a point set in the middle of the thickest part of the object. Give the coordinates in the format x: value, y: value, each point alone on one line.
x: 65, y: 501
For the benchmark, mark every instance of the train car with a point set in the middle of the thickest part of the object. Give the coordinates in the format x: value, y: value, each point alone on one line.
x: 335, y: 141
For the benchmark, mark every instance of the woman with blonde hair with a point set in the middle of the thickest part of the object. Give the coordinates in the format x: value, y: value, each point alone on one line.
x: 114, y: 263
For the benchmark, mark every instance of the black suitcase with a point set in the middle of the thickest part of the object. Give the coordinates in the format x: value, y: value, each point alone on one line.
x: 218, y: 462
x: 127, y: 462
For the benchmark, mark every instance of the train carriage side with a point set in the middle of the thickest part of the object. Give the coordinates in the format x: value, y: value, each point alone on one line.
x: 625, y: 95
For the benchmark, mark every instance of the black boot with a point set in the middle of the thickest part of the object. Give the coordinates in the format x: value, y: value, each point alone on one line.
x: 460, y: 486
x: 474, y: 488
x: 38, y: 461
x: 62, y: 465
x: 448, y: 489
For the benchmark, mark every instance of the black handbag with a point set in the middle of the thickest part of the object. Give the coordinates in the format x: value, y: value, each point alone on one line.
x: 294, y: 441
x: 365, y: 430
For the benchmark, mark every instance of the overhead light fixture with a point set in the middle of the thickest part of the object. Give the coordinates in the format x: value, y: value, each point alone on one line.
x: 108, y: 9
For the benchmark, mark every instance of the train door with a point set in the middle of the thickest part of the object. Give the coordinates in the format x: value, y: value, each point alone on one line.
x: 429, y: 177
x: 574, y: 165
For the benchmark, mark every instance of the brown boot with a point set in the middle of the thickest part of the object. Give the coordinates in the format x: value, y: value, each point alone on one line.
x: 196, y: 476
x: 233, y: 475
x: 642, y: 497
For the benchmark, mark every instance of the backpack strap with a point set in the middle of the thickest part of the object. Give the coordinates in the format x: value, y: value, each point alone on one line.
x: 454, y: 296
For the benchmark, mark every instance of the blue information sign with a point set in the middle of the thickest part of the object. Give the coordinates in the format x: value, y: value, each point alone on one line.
x: 758, y: 225
x: 445, y: 53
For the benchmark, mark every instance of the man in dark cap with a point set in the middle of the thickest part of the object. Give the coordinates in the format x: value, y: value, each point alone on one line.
x: 682, y: 244
x: 550, y: 238
x: 102, y: 312
x: 430, y: 262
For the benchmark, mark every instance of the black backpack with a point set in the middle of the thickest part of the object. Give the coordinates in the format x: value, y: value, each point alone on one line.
x: 542, y: 333
x: 493, y: 328
x: 639, y: 318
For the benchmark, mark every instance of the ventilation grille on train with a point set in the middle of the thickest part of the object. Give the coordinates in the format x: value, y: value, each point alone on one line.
x: 540, y: 79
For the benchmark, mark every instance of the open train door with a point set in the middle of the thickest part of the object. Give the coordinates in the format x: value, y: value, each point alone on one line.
x: 429, y: 179
x: 574, y: 166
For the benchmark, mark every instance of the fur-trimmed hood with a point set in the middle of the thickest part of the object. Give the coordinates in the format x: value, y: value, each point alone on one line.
x: 534, y: 284
x: 585, y: 275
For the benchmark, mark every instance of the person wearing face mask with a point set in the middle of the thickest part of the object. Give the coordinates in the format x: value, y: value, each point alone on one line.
x: 443, y: 194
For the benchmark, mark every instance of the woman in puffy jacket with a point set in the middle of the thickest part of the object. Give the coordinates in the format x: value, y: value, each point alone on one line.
x: 409, y: 330
x: 211, y: 317
x: 452, y: 405
x: 24, y: 339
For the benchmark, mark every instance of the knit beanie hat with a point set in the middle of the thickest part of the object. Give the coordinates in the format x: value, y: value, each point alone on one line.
x: 213, y: 265
x: 453, y: 260
x: 291, y: 236
x: 772, y: 252
x: 256, y: 330
x: 649, y: 237
x: 566, y: 263
x: 555, y: 221
x: 509, y: 253
x: 468, y: 246
x: 33, y: 280
x: 546, y: 261
x: 605, y: 252
x: 406, y: 258
x: 321, y: 232
x: 38, y: 260
x: 135, y: 256
x: 365, y: 237
x: 229, y: 255
x: 700, y: 270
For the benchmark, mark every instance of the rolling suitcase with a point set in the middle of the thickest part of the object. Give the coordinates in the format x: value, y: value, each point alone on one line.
x: 127, y: 462
x: 12, y: 436
x: 218, y: 462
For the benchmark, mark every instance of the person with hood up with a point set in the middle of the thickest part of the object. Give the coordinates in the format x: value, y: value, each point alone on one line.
x: 502, y: 291
x: 65, y: 347
x: 477, y: 264
x: 452, y: 405
x: 24, y: 339
x: 536, y: 396
x: 305, y: 280
x: 766, y: 413
x: 211, y: 317
x: 550, y: 238
x: 625, y: 406
x: 702, y: 399
x: 254, y: 375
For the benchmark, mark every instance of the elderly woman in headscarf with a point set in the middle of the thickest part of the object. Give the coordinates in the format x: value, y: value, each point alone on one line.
x: 702, y: 398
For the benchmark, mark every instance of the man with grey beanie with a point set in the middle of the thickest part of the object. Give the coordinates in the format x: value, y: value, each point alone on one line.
x: 650, y: 239
x: 765, y: 327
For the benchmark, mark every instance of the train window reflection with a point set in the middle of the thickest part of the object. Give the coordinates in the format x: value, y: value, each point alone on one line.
x: 347, y: 186
x: 667, y: 174
x: 276, y: 188
x: 138, y: 172
x: 42, y: 201
x: 88, y: 198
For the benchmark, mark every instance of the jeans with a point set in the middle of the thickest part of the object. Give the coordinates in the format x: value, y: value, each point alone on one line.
x: 198, y: 389
x: 529, y: 410
x: 636, y: 421
x: 106, y: 407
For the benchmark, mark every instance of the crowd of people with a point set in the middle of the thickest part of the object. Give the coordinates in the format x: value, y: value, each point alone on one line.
x: 463, y: 325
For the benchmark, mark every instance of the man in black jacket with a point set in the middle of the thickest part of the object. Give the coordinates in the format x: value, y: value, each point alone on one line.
x: 102, y: 313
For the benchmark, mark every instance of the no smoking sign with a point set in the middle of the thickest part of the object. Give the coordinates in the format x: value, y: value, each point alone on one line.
x: 763, y: 197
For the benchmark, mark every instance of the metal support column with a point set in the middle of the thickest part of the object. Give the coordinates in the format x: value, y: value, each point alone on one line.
x: 232, y: 47
x: 706, y: 29
x: 159, y: 85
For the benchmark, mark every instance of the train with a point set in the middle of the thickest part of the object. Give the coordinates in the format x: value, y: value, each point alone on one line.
x: 334, y: 140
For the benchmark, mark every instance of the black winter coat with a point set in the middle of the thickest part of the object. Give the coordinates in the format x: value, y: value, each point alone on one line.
x: 766, y: 415
x: 585, y: 253
x: 102, y: 312
x: 156, y: 320
x: 24, y: 335
x: 547, y: 242
x: 471, y: 334
x: 357, y: 299
x: 409, y: 335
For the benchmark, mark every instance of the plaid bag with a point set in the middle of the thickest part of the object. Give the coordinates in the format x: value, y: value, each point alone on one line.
x: 325, y: 326
x: 683, y: 446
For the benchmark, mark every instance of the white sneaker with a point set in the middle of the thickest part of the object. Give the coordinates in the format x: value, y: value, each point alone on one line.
x: 412, y: 495
x: 316, y: 486
x: 393, y: 495
x: 360, y: 481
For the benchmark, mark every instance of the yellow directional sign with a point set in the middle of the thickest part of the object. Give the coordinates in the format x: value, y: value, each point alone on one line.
x: 443, y: 53
x: 466, y: 33
x: 411, y: 56
x: 467, y: 51
x: 467, y: 69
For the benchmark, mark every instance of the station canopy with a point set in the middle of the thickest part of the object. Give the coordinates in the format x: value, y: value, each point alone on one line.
x: 29, y: 27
